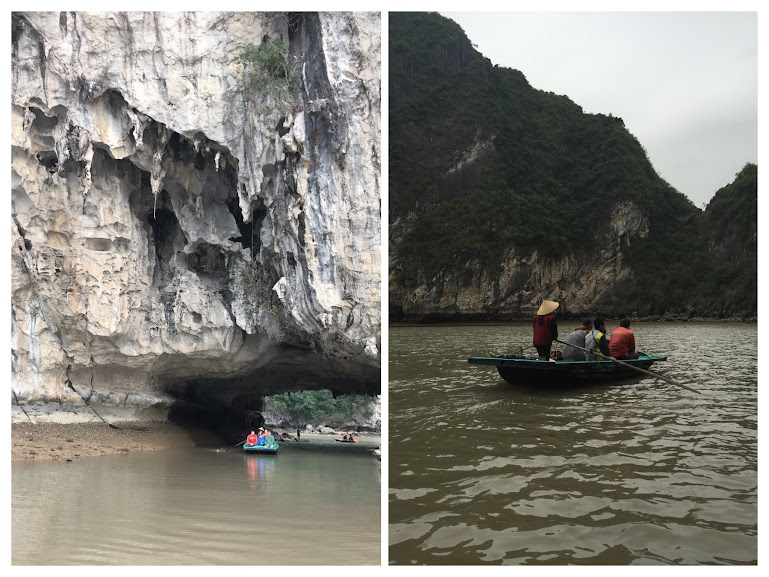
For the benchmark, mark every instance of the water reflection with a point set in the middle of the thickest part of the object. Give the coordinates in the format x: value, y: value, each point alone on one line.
x: 260, y: 469
x: 196, y: 507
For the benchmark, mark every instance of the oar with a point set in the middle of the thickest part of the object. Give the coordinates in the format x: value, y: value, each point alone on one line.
x: 650, y: 373
x: 235, y: 445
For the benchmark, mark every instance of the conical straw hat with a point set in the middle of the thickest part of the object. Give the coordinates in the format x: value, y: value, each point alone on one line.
x: 547, y: 307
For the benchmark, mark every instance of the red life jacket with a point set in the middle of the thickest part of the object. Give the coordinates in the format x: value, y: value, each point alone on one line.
x: 543, y: 334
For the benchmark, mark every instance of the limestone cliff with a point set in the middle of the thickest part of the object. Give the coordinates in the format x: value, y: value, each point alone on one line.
x: 514, y: 289
x: 177, y: 233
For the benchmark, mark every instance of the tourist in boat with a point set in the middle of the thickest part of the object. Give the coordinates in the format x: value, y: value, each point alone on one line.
x: 344, y: 437
x: 351, y: 438
x: 577, y: 337
x: 260, y: 437
x: 596, y: 341
x: 545, y: 328
x: 622, y: 341
x: 251, y: 439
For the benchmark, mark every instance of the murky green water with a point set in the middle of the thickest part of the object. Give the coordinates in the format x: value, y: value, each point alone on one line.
x: 644, y: 473
x: 198, y: 507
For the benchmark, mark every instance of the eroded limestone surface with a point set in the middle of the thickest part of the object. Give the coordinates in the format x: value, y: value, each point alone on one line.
x: 175, y: 234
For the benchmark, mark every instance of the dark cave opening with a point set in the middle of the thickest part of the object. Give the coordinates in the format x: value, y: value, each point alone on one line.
x: 249, y: 231
x: 42, y: 122
x: 301, y: 229
x: 199, y: 162
x: 186, y: 151
x: 166, y: 232
x: 246, y: 228
x: 49, y: 159
x: 280, y: 128
x: 208, y: 259
x: 257, y: 217
x: 227, y: 405
x: 230, y: 421
x: 294, y: 21
x: 211, y: 423
x: 180, y: 148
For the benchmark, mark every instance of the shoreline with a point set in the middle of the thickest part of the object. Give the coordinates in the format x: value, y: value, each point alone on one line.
x: 50, y: 431
x: 71, y: 441
x: 76, y: 440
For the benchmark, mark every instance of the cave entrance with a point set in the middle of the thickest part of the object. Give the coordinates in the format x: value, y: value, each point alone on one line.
x: 230, y: 415
x: 319, y: 408
x: 249, y: 231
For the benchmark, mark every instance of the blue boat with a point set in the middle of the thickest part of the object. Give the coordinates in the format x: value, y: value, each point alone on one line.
x: 269, y: 447
x: 534, y: 371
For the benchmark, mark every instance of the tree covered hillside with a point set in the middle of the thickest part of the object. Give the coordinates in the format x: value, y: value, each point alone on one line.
x: 480, y: 162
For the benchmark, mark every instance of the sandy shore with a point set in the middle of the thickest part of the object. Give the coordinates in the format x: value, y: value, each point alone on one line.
x: 364, y: 438
x: 62, y: 432
x: 70, y: 441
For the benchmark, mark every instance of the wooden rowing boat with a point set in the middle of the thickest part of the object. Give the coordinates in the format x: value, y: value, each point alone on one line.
x: 535, y: 371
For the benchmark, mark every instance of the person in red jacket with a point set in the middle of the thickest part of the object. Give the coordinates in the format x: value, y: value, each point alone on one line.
x: 545, y: 328
x: 622, y: 342
x: 251, y: 439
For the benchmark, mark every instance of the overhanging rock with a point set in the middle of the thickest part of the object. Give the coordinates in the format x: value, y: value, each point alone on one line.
x: 173, y: 230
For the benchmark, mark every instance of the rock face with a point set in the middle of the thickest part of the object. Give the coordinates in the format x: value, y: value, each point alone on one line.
x: 176, y: 234
x: 515, y: 290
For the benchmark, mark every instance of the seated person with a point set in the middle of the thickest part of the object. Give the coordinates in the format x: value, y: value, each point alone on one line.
x: 260, y: 437
x: 251, y: 439
x: 577, y: 337
x: 622, y: 342
x: 596, y: 342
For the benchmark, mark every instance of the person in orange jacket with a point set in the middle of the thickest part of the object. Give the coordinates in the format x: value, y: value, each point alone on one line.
x: 622, y: 342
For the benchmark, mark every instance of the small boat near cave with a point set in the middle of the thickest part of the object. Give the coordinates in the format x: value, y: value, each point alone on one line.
x: 534, y: 371
x: 268, y: 448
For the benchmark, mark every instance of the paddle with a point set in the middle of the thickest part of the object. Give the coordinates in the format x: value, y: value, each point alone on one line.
x: 650, y: 373
x: 235, y: 445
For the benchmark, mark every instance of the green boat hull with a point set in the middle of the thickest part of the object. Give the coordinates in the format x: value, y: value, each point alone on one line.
x: 539, y: 372
x: 266, y: 449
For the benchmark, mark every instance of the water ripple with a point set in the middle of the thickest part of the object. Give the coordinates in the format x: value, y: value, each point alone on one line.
x: 645, y: 473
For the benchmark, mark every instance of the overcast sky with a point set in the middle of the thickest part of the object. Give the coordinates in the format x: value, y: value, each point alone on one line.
x: 684, y: 83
